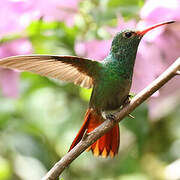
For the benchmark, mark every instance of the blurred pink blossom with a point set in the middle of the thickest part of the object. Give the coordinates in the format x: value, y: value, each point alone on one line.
x: 17, y: 15
x: 9, y: 82
x: 95, y: 49
x: 58, y: 10
x: 16, y: 47
x: 9, y: 78
x: 147, y: 68
x: 12, y: 15
x: 164, y: 47
x: 160, y: 10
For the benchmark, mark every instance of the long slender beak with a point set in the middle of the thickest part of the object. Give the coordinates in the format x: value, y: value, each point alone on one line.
x: 142, y: 32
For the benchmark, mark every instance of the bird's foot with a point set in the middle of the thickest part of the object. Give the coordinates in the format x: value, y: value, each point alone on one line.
x: 127, y: 100
x: 111, y: 116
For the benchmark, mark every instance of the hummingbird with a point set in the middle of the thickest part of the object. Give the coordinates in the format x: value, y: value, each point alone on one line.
x: 110, y: 79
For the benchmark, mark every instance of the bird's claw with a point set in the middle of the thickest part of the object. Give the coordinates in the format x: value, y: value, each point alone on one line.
x: 111, y: 117
x: 127, y: 100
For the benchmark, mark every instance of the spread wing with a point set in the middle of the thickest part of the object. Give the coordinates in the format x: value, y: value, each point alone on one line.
x: 68, y: 68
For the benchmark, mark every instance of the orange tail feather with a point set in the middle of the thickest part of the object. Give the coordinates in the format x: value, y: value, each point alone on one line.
x: 108, y: 144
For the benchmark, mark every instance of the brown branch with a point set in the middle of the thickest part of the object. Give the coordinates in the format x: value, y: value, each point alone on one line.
x: 90, y: 138
x: 178, y: 72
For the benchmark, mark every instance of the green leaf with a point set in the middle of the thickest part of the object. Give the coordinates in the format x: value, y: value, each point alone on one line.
x: 85, y: 94
x: 116, y: 3
x: 5, y: 170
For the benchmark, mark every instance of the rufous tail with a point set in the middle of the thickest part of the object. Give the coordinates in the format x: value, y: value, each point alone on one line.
x: 108, y: 144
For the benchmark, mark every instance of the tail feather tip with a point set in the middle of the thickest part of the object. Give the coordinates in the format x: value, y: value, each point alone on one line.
x: 105, y: 146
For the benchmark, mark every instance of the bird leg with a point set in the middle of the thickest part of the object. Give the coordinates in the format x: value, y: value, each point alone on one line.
x: 111, y: 117
x: 112, y: 114
x: 127, y: 100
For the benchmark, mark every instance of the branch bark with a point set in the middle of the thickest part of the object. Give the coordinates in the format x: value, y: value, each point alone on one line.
x: 90, y: 138
x: 178, y: 73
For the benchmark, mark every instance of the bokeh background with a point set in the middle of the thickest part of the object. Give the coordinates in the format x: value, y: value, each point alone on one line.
x: 39, y: 117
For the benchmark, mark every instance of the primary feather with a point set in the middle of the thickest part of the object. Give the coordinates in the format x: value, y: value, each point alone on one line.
x: 68, y: 68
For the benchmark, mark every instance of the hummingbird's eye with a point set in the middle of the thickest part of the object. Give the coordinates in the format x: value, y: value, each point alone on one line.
x: 128, y: 34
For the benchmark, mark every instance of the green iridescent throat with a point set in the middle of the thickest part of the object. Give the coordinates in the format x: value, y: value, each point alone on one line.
x: 123, y: 52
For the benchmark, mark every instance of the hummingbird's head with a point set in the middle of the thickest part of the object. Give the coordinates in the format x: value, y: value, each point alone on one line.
x: 125, y: 43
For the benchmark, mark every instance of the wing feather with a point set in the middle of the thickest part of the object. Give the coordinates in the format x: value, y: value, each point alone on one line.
x: 68, y: 68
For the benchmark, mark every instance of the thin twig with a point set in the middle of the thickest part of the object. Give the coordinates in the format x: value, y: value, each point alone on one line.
x: 108, y: 124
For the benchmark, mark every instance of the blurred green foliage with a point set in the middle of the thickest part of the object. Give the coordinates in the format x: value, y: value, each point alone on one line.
x: 37, y: 128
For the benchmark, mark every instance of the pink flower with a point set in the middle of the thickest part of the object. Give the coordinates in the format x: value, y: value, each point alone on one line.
x: 58, y: 10
x: 147, y: 68
x: 160, y: 10
x: 94, y: 49
x: 12, y: 17
x: 9, y: 78
x: 9, y: 82
x: 17, y: 47
x: 17, y: 15
x: 164, y: 47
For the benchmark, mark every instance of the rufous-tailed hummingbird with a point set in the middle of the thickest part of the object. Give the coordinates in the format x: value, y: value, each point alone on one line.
x: 110, y: 79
